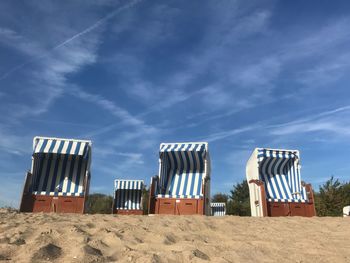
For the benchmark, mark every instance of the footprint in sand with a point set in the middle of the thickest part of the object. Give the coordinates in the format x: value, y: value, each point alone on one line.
x: 92, y: 251
x: 17, y: 241
x: 77, y: 230
x: 139, y: 240
x: 90, y: 225
x: 169, y: 239
x: 48, y: 252
x: 4, y: 258
x: 199, y: 254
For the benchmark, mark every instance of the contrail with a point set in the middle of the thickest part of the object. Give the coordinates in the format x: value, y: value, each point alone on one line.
x: 87, y: 30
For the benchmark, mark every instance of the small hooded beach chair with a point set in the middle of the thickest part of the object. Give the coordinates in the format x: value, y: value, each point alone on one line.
x: 346, y: 211
x: 128, y: 197
x: 59, y: 178
x: 218, y: 209
x: 275, y: 185
x: 182, y: 186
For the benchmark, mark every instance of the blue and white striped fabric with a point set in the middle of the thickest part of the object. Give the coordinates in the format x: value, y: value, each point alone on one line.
x: 128, y: 194
x: 182, y: 170
x: 280, y: 170
x: 218, y: 209
x: 60, y: 166
x: 61, y: 146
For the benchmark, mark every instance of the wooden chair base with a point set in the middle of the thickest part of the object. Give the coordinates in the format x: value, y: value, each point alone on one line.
x: 290, y: 209
x: 177, y: 206
x: 55, y: 204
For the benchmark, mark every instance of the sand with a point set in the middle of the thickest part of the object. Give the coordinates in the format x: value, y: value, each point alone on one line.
x: 106, y: 238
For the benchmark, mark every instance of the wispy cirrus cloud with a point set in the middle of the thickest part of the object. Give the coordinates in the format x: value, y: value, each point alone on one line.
x: 332, y: 121
x: 133, y: 157
x: 107, y: 105
x: 7, y: 33
x: 331, y: 35
x: 137, y: 129
x: 10, y: 34
x: 225, y: 29
x: 52, y: 65
x: 326, y: 72
x: 229, y: 133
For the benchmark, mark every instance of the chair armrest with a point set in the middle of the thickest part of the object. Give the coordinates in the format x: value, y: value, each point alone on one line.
x: 257, y: 182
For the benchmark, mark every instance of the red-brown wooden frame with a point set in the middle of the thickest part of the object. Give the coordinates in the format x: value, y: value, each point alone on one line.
x: 274, y: 209
x: 57, y: 204
x: 175, y: 206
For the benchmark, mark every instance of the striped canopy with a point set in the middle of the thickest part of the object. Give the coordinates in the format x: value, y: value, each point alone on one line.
x: 218, y: 209
x: 60, y: 166
x: 128, y: 194
x: 182, y: 169
x: 177, y: 147
x: 280, y: 170
x: 61, y: 146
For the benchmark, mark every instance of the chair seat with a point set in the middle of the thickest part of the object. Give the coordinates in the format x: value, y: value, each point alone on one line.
x: 180, y: 196
x: 287, y: 200
x: 129, y: 208
x: 57, y: 193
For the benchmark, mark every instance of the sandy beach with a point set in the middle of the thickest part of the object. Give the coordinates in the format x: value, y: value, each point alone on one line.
x: 106, y: 238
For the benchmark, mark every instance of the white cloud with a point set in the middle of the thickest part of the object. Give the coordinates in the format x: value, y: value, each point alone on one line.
x: 14, y: 144
x: 258, y: 75
x: 7, y: 33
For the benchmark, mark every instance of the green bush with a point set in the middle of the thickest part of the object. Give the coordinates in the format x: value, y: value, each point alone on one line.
x: 99, y: 204
x: 332, y: 197
x: 239, y: 203
x: 220, y: 198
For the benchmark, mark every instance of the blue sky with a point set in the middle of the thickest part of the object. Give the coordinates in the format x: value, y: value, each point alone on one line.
x: 131, y: 74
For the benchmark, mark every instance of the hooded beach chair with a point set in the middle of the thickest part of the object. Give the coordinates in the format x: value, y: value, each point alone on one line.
x: 218, y: 209
x: 182, y: 186
x: 128, y: 197
x: 346, y: 211
x: 59, y: 178
x: 275, y: 185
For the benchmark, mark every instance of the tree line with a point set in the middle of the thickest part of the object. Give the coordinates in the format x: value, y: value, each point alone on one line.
x: 330, y: 199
